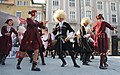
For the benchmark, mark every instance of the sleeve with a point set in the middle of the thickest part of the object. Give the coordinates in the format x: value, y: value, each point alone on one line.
x: 55, y: 30
x: 3, y: 31
x: 29, y: 24
x: 94, y: 26
x: 37, y: 24
x: 70, y: 34
x: 41, y: 25
x: 15, y: 32
x: 109, y: 26
x: 83, y: 31
x: 78, y: 32
x: 69, y: 28
x: 71, y: 31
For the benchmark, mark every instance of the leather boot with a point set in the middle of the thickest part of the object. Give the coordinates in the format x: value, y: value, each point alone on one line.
x: 63, y: 62
x: 34, y: 66
x: 19, y: 62
x: 101, y: 62
x: 0, y: 58
x: 3, y: 59
x: 102, y: 67
x: 42, y: 58
x: 74, y: 62
x: 105, y: 61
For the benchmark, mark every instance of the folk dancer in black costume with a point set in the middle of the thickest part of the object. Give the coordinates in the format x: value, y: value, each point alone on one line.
x: 60, y: 32
x: 86, y: 50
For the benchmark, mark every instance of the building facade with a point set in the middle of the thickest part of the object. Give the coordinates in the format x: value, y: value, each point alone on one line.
x: 71, y: 7
x: 77, y: 9
x: 109, y: 9
x: 20, y: 8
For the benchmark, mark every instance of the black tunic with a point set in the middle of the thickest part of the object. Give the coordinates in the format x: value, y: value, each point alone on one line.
x: 84, y: 43
x: 61, y: 34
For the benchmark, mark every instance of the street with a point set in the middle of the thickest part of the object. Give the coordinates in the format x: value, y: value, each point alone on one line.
x: 52, y: 67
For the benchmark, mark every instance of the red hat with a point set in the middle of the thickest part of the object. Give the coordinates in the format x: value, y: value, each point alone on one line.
x: 32, y: 12
x: 99, y: 16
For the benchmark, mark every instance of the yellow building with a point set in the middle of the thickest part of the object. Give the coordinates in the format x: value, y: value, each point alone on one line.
x: 20, y: 8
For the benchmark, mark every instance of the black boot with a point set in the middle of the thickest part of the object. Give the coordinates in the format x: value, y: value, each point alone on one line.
x: 19, y: 62
x: 42, y: 58
x: 102, y: 67
x: 84, y: 59
x: 0, y: 58
x: 63, y: 62
x: 102, y: 62
x: 3, y: 59
x: 43, y: 61
x: 30, y: 54
x: 86, y: 63
x: 105, y: 61
x: 34, y: 66
x: 74, y: 62
x: 81, y: 56
x: 31, y: 60
x: 92, y: 56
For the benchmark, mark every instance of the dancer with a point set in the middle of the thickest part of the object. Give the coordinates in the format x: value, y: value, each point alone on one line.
x: 31, y: 40
x: 60, y: 31
x: 6, y: 40
x: 101, y: 39
x: 85, y: 48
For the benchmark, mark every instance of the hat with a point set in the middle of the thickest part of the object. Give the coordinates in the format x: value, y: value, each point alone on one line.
x: 8, y: 20
x: 59, y: 14
x: 32, y: 12
x: 85, y: 20
x: 99, y: 16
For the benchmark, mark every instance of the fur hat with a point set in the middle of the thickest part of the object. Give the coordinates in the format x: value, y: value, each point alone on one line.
x: 85, y: 20
x: 59, y: 14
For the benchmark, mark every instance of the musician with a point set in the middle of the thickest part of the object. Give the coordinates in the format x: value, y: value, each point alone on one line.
x: 60, y: 31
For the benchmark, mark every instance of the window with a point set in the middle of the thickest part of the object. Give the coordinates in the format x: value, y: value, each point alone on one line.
x: 87, y: 2
x: 72, y: 3
x: 25, y: 3
x: 39, y: 16
x: 19, y: 3
x: 99, y: 5
x: 113, y: 6
x: 55, y: 3
x: 114, y: 18
x: 88, y: 14
x: 1, y: 1
x: 19, y: 14
x: 72, y: 15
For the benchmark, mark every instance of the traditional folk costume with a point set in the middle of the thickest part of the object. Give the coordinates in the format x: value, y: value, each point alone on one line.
x: 60, y: 32
x: 31, y: 40
x: 84, y: 45
x: 6, y: 41
x: 101, y: 39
